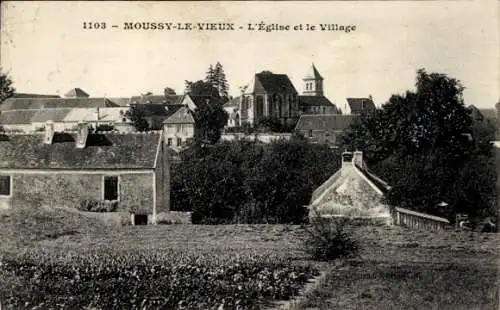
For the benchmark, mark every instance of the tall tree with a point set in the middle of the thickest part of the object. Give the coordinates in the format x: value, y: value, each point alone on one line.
x: 210, y: 78
x: 137, y: 114
x: 221, y: 81
x: 419, y: 142
x: 6, y: 88
x: 210, y: 118
x: 201, y: 88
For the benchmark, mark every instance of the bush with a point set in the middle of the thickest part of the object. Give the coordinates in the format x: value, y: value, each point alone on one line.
x: 328, y: 240
x: 105, y: 127
x: 93, y: 205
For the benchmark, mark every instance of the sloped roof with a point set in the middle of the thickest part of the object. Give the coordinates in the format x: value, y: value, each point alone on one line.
x: 55, y: 115
x: 490, y: 114
x: 80, y: 114
x: 121, y: 101
x: 315, y: 101
x: 151, y: 99
x: 182, y: 116
x: 41, y: 103
x: 201, y: 100
x: 268, y: 82
x: 173, y: 99
x: 76, y: 93
x: 325, y: 122
x: 25, y: 95
x: 16, y: 117
x: 103, y: 151
x: 233, y: 103
x: 313, y: 74
x: 359, y: 105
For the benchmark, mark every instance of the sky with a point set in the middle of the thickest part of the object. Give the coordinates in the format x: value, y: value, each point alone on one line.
x: 45, y: 49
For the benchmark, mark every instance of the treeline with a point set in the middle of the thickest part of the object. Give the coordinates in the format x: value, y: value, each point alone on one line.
x: 247, y: 182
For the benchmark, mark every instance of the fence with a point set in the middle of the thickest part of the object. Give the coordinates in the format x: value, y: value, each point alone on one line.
x: 412, y: 219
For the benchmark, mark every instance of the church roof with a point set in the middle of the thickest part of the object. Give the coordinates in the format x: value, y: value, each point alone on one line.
x: 310, y: 101
x: 268, y: 82
x: 313, y: 74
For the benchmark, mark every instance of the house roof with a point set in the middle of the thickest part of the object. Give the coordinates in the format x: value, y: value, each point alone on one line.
x: 313, y: 74
x: 173, y: 99
x: 181, y: 116
x: 55, y: 115
x: 16, y: 117
x: 41, y: 103
x: 489, y: 113
x: 359, y: 105
x: 325, y: 122
x: 315, y: 101
x: 201, y: 100
x: 122, y: 101
x: 103, y: 151
x: 233, y: 102
x: 150, y: 99
x: 25, y: 95
x: 268, y: 82
x: 76, y: 93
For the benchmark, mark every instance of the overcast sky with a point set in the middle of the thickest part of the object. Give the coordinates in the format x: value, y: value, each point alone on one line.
x: 46, y: 50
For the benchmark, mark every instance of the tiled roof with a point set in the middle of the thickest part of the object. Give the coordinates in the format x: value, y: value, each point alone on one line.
x: 76, y: 93
x: 55, y: 115
x: 315, y: 101
x: 24, y: 95
x: 313, y: 74
x: 359, y: 105
x: 151, y: 99
x: 16, y: 117
x: 122, y: 102
x: 268, y: 82
x: 173, y: 99
x: 103, y: 151
x: 182, y: 116
x: 41, y: 103
x: 201, y: 100
x: 326, y: 122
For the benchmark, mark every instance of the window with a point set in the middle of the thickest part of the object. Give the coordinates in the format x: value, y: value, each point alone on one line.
x: 310, y: 133
x: 169, y: 141
x: 179, y: 141
x: 111, y: 187
x: 5, y: 185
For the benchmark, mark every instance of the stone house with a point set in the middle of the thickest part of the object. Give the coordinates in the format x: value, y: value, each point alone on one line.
x: 353, y: 191
x: 62, y: 169
x: 324, y: 128
x: 179, y: 128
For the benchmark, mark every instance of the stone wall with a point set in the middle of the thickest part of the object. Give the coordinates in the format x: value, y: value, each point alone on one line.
x: 68, y: 190
x: 261, y: 137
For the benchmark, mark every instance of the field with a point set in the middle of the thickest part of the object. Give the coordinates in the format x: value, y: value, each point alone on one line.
x: 55, y: 259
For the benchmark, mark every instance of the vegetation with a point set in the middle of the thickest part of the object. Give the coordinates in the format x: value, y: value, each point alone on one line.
x: 6, y: 88
x: 328, y: 239
x: 93, y: 205
x: 138, y: 114
x: 217, y: 78
x: 420, y: 142
x: 105, y: 127
x: 247, y: 182
x: 169, y: 91
x: 210, y: 118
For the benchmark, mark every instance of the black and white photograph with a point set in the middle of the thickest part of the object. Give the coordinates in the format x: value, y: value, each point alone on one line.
x: 276, y: 155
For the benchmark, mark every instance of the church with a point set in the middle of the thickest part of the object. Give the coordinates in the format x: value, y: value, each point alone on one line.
x: 271, y: 95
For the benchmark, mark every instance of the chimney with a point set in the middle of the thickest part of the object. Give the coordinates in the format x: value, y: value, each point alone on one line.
x: 357, y: 158
x: 49, y: 132
x: 346, y: 159
x: 82, y: 134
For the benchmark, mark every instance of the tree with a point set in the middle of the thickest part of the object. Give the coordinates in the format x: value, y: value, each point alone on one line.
x: 210, y: 78
x: 210, y: 118
x: 201, y: 88
x: 419, y: 143
x: 169, y: 91
x: 6, y: 88
x: 221, y: 81
x: 137, y: 114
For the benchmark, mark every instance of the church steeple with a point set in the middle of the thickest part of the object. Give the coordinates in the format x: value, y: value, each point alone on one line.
x: 313, y: 83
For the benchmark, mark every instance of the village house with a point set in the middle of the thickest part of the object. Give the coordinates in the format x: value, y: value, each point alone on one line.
x: 353, y: 191
x: 63, y: 169
x: 361, y: 106
x: 179, y: 128
x: 324, y: 128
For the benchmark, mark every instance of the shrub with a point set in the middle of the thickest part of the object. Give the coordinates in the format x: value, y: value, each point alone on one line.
x: 105, y: 127
x: 93, y: 205
x: 329, y: 240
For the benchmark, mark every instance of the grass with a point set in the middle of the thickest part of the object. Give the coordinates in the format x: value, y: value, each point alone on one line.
x: 397, y: 269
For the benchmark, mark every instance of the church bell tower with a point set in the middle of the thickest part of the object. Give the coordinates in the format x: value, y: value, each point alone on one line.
x: 313, y: 83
